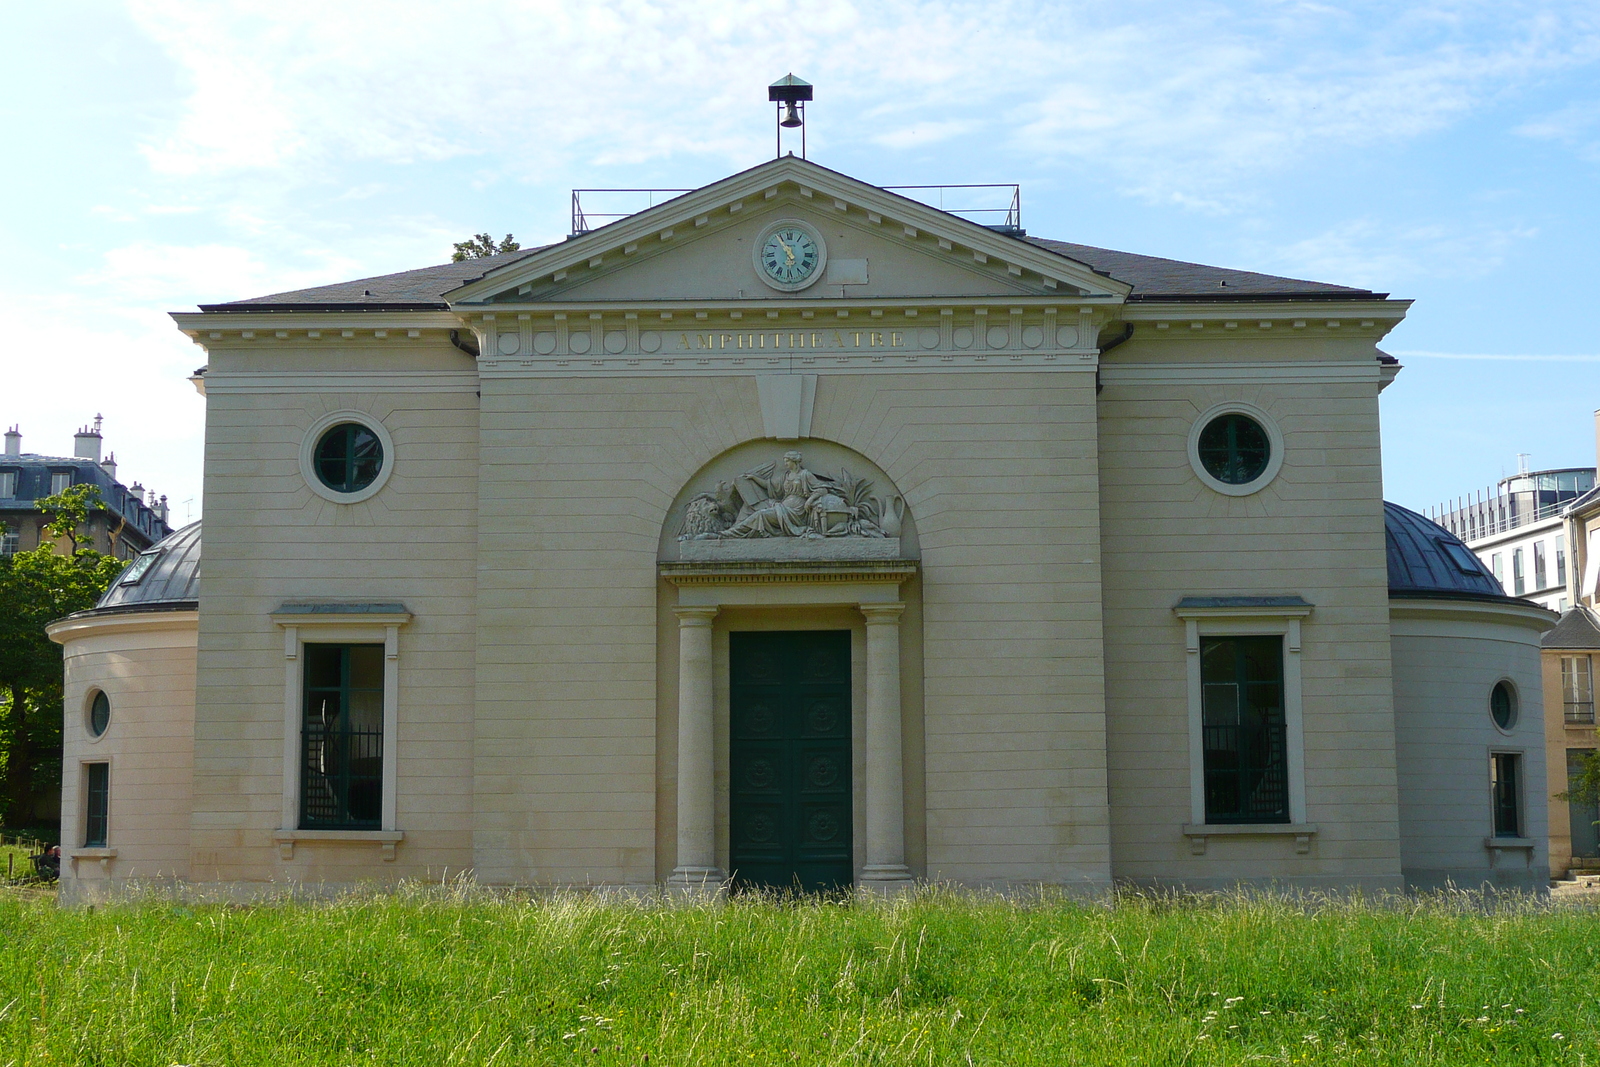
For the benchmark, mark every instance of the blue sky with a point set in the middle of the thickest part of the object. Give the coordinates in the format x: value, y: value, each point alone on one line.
x: 163, y: 154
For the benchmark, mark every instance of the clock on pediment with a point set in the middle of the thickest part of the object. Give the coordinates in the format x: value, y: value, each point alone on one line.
x: 790, y: 255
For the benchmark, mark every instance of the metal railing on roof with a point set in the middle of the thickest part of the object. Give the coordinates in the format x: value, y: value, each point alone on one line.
x: 1514, y: 503
x: 1008, y: 207
x: 1001, y: 211
x: 586, y: 219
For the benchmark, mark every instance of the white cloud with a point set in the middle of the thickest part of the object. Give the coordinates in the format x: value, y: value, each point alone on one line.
x: 1185, y: 103
x: 1372, y: 254
x: 1577, y: 125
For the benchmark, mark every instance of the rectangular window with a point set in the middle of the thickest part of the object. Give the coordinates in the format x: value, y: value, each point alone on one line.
x: 1498, y: 567
x: 1516, y: 572
x: 60, y: 481
x: 341, y: 738
x: 1577, y: 688
x: 9, y: 540
x: 1244, y: 731
x: 97, y: 806
x: 8, y: 484
x: 1505, y: 790
x: 1561, y: 559
x: 1539, y: 569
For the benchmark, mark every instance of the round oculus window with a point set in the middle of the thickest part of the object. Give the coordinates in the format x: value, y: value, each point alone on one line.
x: 1234, y: 449
x: 1503, y: 705
x: 348, y: 457
x: 99, y: 714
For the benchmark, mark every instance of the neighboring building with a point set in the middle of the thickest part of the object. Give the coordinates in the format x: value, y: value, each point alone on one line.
x: 1517, y: 529
x: 1571, y: 658
x: 124, y: 525
x: 795, y: 531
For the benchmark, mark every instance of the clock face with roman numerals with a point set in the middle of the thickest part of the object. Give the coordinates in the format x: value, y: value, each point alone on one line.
x: 790, y: 255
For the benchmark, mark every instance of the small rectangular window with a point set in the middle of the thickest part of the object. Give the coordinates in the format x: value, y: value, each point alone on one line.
x: 9, y: 540
x: 341, y: 770
x: 8, y: 484
x: 1498, y: 567
x: 1561, y: 559
x: 60, y: 482
x: 1245, y: 738
x: 1577, y: 688
x: 97, y: 806
x: 1516, y: 572
x: 1505, y: 789
x: 1539, y: 569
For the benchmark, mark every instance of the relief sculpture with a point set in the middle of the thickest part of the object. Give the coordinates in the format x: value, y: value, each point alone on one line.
x: 784, y: 499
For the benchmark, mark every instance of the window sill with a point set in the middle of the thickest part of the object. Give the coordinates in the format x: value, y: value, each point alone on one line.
x: 104, y: 855
x: 1499, y: 846
x: 1198, y: 833
x: 386, y: 840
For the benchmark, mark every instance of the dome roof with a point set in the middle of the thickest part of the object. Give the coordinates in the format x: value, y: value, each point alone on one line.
x: 164, y: 577
x: 1426, y: 560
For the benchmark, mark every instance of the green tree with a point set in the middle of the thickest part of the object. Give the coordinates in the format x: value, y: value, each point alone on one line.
x: 36, y: 588
x: 1584, y: 787
x: 480, y: 245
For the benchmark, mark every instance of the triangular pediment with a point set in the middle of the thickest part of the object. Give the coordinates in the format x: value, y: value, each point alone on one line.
x: 702, y: 247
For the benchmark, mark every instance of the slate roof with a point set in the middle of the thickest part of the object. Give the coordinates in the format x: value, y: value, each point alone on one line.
x: 1154, y: 278
x: 170, y: 583
x: 1578, y: 628
x: 34, y: 470
x: 1423, y: 563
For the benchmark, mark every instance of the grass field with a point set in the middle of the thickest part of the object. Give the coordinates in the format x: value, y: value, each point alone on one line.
x: 434, y: 977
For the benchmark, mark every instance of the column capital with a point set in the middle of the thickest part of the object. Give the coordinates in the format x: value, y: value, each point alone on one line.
x: 882, y: 612
x: 698, y: 616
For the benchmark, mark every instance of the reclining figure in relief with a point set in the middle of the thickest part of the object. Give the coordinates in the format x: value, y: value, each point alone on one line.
x: 791, y: 502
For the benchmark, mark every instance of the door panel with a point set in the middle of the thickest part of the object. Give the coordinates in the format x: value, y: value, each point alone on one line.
x: 790, y: 759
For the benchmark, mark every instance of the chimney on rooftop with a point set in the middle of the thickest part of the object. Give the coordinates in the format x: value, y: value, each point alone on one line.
x: 161, y: 509
x: 86, y: 444
x: 14, y: 438
x: 109, y: 465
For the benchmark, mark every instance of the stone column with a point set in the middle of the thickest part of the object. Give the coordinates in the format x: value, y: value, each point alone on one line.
x: 886, y: 817
x: 697, y: 807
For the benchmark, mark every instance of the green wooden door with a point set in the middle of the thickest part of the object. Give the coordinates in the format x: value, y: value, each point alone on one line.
x: 789, y: 759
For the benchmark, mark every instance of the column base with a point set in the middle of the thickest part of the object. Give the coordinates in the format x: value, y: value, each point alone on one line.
x: 885, y: 879
x: 696, y: 882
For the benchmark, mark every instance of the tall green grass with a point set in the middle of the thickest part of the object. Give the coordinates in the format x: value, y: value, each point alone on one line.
x: 431, y: 977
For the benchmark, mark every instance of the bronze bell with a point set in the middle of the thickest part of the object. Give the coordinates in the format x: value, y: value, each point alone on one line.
x: 791, y: 116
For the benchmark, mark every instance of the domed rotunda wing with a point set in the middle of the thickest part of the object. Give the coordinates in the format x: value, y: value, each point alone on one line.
x: 164, y: 577
x: 1426, y: 560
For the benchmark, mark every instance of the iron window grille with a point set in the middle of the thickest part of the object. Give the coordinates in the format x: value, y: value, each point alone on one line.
x: 349, y: 457
x: 1243, y: 729
x: 341, y: 738
x: 1577, y: 689
x: 1234, y: 449
x: 97, y: 810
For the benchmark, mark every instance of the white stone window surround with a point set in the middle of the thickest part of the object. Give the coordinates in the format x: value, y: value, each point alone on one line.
x: 1246, y: 616
x: 1274, y: 439
x: 89, y: 735
x: 308, y: 455
x: 1498, y: 846
x: 1516, y: 706
x: 102, y: 853
x: 344, y: 622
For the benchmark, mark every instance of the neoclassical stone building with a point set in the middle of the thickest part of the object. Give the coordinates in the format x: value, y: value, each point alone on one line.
x: 795, y: 532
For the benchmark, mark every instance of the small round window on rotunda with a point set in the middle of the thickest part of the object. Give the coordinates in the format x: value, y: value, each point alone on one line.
x: 1503, y: 705
x: 1234, y: 449
x: 349, y: 457
x: 99, y: 714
